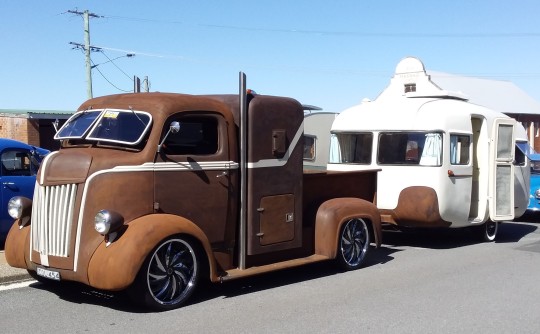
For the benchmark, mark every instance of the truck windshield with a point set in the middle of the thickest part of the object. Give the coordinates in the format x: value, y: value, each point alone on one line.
x: 108, y: 125
x: 78, y: 124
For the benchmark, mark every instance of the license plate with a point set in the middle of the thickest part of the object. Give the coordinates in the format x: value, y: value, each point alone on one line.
x: 50, y: 274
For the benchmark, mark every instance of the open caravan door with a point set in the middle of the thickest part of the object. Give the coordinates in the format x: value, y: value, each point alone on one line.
x: 501, y: 174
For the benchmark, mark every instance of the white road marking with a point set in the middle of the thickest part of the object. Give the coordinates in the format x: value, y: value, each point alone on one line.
x: 17, y: 285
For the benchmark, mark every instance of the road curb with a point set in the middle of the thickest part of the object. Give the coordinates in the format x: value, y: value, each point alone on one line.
x: 9, y: 274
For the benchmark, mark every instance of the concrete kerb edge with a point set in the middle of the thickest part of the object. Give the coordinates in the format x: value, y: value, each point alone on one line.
x: 9, y: 274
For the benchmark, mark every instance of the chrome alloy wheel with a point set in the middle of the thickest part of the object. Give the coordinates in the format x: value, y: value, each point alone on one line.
x: 490, y: 230
x: 172, y: 272
x: 353, y: 243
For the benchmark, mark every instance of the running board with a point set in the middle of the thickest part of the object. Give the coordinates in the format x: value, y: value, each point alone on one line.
x: 239, y: 273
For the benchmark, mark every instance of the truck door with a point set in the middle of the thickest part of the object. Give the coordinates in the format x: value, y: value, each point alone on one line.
x: 193, y: 175
x: 501, y: 177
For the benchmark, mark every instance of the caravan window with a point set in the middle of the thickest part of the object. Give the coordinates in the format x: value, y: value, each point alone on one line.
x: 459, y: 149
x: 309, y: 147
x: 519, y: 156
x: 410, y: 148
x: 354, y: 148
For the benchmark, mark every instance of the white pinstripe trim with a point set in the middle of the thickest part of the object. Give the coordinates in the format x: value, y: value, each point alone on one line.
x: 44, y: 165
x: 282, y: 161
x: 146, y: 167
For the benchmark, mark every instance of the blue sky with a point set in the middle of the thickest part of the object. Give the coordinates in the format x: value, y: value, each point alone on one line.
x: 326, y: 53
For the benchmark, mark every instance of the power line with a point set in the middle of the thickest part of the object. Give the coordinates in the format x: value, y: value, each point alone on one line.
x: 94, y: 66
x: 341, y: 33
x: 129, y: 55
x: 110, y: 83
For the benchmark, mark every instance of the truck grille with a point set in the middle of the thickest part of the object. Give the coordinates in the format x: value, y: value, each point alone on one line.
x: 52, y: 219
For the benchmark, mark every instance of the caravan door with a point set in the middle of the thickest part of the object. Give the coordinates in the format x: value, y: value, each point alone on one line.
x: 501, y: 177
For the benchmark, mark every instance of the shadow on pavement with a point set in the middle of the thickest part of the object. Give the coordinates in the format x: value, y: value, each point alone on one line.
x: 81, y: 294
x: 453, y: 238
x: 435, y: 239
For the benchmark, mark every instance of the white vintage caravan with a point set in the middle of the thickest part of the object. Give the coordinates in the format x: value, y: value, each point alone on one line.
x: 444, y: 162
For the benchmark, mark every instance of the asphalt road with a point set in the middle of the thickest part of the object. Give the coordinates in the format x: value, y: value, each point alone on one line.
x: 441, y: 282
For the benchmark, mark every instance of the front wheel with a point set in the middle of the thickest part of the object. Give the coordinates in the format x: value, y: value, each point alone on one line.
x: 353, y: 244
x: 169, y: 275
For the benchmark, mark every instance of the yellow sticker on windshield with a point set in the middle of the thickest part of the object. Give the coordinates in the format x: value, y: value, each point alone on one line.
x: 111, y: 114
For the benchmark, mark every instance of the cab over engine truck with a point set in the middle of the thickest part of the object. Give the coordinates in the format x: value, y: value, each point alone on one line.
x: 153, y: 192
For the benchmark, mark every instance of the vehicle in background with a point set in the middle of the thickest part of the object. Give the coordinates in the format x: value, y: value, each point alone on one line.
x: 534, y: 197
x: 154, y: 192
x: 444, y: 162
x: 317, y: 138
x: 19, y: 163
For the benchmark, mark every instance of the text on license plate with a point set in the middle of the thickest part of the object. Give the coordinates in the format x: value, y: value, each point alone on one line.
x: 50, y: 274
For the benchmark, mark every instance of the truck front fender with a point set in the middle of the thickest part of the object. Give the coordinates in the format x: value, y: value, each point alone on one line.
x: 115, y: 267
x: 17, y: 246
x: 333, y: 213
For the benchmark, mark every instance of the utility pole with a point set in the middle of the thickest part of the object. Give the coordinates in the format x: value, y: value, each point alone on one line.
x: 87, y: 48
x: 146, y: 84
x: 136, y: 84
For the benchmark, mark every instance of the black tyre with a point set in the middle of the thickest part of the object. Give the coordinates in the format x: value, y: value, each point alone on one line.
x: 353, y: 244
x: 169, y: 275
x: 487, y: 231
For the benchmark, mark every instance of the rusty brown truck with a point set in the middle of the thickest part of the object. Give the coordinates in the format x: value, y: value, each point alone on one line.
x: 153, y: 192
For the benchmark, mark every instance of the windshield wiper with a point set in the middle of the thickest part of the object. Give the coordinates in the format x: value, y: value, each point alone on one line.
x: 134, y: 113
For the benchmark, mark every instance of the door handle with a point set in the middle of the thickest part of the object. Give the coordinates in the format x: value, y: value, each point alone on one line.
x: 222, y: 174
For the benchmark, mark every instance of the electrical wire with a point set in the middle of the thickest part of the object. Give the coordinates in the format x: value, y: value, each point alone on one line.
x: 341, y: 33
x: 110, y: 83
x: 111, y: 61
x: 104, y: 77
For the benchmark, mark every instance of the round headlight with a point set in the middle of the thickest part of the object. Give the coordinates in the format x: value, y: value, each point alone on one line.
x: 102, y: 222
x: 537, y: 193
x: 15, y: 207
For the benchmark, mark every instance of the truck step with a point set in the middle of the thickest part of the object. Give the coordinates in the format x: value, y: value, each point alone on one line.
x: 239, y: 273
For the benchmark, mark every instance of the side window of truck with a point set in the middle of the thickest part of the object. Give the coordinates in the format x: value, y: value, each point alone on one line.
x: 198, y: 135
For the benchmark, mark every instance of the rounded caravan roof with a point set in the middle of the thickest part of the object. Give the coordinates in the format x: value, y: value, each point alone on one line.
x: 416, y: 114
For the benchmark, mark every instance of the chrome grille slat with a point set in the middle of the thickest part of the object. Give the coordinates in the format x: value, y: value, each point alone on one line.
x: 52, y: 219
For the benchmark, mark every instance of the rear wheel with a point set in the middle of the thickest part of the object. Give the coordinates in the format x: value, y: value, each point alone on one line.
x: 169, y: 275
x: 353, y: 244
x: 487, y: 231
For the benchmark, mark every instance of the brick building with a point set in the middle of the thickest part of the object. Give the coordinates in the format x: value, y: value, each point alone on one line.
x: 35, y: 127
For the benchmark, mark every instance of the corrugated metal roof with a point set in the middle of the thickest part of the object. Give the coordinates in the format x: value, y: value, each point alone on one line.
x: 40, y: 114
x: 502, y: 96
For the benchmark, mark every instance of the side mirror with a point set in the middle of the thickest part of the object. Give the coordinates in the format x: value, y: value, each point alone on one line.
x: 174, y: 128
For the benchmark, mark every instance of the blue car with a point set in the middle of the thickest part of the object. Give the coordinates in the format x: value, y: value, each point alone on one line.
x: 534, y: 197
x: 19, y: 163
